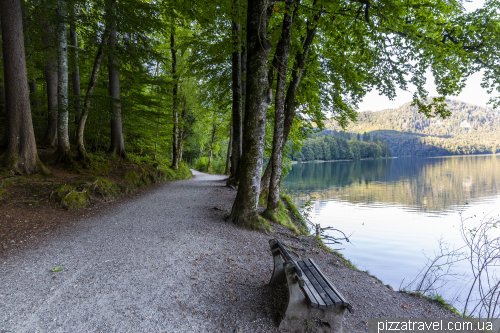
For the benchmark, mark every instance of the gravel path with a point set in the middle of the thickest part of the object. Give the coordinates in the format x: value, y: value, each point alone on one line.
x: 167, y: 262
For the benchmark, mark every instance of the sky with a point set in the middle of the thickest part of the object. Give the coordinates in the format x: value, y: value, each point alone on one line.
x: 472, y: 93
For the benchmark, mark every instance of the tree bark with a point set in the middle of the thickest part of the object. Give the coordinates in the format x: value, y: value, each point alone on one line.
x: 227, y: 171
x: 51, y: 78
x: 282, y: 54
x: 237, y: 109
x: 35, y: 101
x: 63, y: 153
x: 175, y: 108
x: 214, y: 129
x: 75, y: 75
x: 259, y: 96
x: 182, y: 129
x: 80, y: 144
x: 21, y: 155
x: 298, y: 68
x: 117, y: 146
x: 3, y: 111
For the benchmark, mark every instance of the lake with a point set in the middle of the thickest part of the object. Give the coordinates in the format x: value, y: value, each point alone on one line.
x: 397, y: 209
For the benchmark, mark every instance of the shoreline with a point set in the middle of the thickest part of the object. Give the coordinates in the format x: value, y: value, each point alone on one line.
x: 176, y: 265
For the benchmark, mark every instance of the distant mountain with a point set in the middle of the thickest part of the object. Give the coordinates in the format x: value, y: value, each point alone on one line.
x: 470, y: 129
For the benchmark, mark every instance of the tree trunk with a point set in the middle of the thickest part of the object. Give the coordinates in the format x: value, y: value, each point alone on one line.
x: 214, y: 128
x: 75, y: 75
x: 80, y: 144
x: 175, y: 109
x: 300, y: 61
x: 21, y: 155
x: 259, y: 96
x: 227, y: 171
x: 117, y: 143
x: 182, y: 129
x: 63, y: 153
x: 3, y: 112
x: 237, y: 110
x: 51, y: 78
x: 282, y: 54
x: 35, y: 101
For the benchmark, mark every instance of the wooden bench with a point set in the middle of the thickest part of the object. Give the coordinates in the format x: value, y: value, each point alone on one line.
x: 311, y: 295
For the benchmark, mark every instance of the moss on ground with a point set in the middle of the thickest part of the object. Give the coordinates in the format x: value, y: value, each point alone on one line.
x: 288, y: 214
x: 89, y: 190
x: 83, y: 193
x: 4, y: 184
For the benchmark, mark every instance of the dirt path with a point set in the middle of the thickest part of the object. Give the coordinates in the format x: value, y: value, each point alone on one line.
x: 167, y: 262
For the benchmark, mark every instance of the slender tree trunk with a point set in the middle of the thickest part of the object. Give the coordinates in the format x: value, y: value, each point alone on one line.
x: 259, y: 96
x: 300, y: 61
x: 75, y: 75
x: 80, y: 144
x: 279, y: 116
x: 214, y: 128
x: 182, y: 129
x: 175, y: 109
x: 21, y: 154
x: 228, y: 155
x: 117, y: 143
x: 63, y: 153
x: 157, y: 132
x: 237, y: 110
x: 51, y: 78
x: 35, y: 101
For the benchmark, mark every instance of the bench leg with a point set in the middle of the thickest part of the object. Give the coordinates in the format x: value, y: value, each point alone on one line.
x: 279, y: 270
x: 300, y: 317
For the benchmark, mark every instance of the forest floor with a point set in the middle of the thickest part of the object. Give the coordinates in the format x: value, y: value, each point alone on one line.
x: 32, y: 206
x: 164, y: 260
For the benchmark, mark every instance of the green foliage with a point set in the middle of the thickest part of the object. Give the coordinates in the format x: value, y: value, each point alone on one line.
x: 328, y: 146
x: 470, y: 129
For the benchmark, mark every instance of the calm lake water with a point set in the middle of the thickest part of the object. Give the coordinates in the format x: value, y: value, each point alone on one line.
x: 397, y: 209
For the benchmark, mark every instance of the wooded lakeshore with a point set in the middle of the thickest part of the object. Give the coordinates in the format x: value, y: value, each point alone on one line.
x: 221, y: 86
x: 100, y: 98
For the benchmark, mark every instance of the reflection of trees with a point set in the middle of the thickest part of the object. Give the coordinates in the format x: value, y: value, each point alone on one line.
x: 428, y: 184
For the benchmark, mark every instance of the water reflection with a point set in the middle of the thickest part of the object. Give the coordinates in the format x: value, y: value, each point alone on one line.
x: 399, y: 208
x: 418, y: 184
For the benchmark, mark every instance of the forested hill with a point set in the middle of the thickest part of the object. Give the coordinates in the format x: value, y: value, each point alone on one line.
x: 470, y: 129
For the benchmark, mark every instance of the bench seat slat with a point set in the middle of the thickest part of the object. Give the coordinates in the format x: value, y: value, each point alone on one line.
x: 314, y: 287
x: 339, y: 294
x: 310, y: 297
x: 324, y: 284
x: 315, y: 280
x: 313, y: 297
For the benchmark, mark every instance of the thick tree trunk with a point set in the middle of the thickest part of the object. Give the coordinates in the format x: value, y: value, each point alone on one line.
x: 237, y: 110
x: 51, y: 78
x: 227, y: 171
x: 300, y: 61
x: 80, y: 144
x: 259, y: 96
x: 282, y: 54
x: 63, y: 153
x: 75, y: 75
x: 21, y: 155
x: 117, y: 143
x: 175, y: 109
x: 3, y: 112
